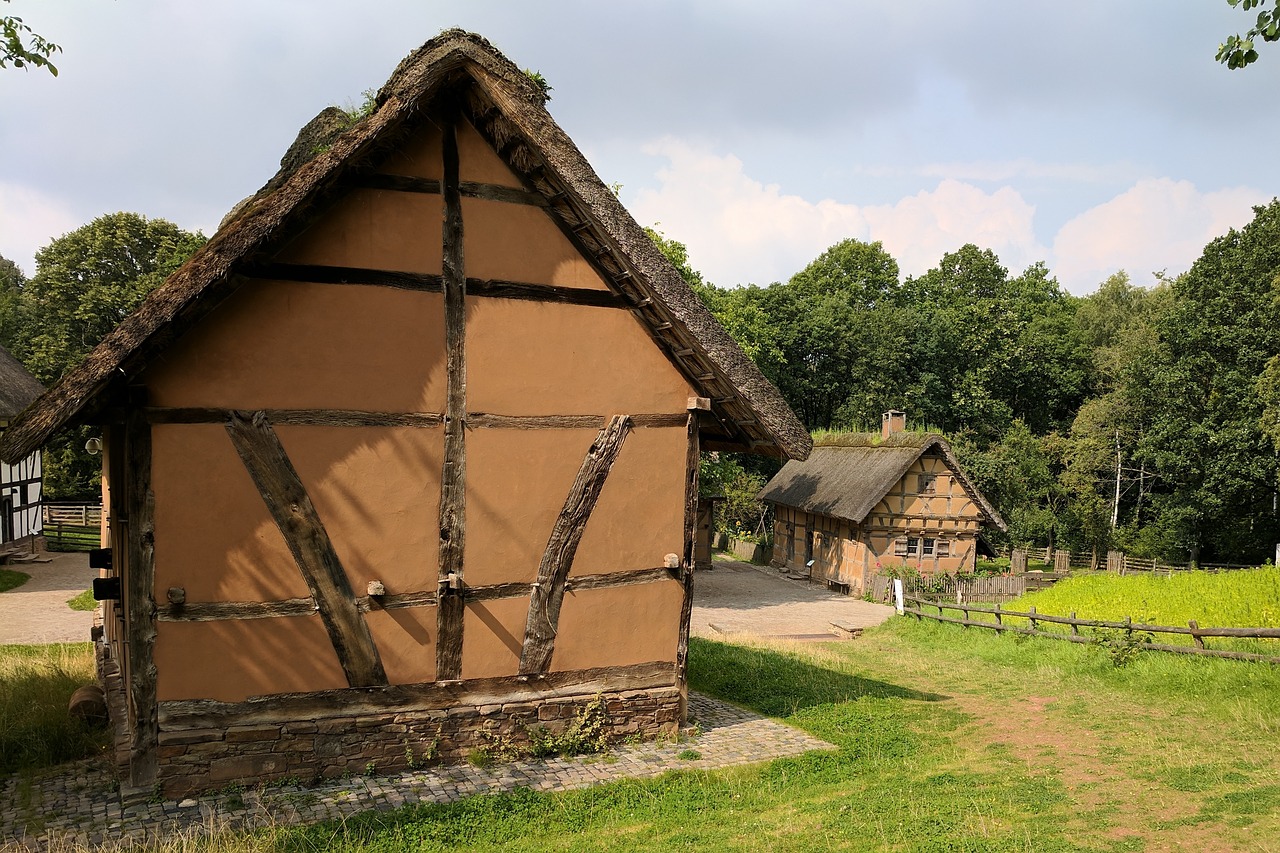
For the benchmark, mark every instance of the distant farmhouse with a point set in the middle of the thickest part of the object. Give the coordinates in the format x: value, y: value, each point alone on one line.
x: 20, y: 483
x: 862, y: 503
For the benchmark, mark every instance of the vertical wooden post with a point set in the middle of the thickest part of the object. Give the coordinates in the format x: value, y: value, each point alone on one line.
x: 1075, y: 629
x: 1032, y: 610
x: 1194, y: 626
x: 140, y: 608
x: 450, y: 609
x: 999, y: 619
x: 692, y: 459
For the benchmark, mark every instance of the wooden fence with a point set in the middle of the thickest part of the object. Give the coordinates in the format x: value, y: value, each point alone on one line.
x: 1116, y: 562
x: 970, y: 588
x: 72, y: 526
x: 915, y: 607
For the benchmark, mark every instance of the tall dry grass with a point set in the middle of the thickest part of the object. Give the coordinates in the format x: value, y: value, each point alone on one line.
x: 36, y: 683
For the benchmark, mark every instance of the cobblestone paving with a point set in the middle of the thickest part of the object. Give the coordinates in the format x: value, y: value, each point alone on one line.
x: 80, y: 803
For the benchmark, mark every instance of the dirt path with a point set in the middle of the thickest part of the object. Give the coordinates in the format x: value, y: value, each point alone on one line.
x: 739, y: 598
x: 37, y: 611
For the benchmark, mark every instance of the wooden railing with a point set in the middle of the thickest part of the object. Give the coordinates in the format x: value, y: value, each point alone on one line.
x: 915, y: 607
x: 72, y: 526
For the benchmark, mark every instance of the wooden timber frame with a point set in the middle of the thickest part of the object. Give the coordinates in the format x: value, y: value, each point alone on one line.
x: 140, y: 609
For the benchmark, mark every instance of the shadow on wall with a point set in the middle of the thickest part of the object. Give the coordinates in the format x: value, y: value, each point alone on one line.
x: 777, y: 684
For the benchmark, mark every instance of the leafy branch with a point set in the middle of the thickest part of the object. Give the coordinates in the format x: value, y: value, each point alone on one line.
x: 24, y: 47
x: 1238, y: 51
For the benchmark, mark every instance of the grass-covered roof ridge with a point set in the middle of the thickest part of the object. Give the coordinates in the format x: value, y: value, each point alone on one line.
x: 903, y: 438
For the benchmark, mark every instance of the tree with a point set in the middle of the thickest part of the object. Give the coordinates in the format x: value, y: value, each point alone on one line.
x: 86, y: 282
x: 1238, y: 51
x: 24, y: 47
x: 1217, y: 468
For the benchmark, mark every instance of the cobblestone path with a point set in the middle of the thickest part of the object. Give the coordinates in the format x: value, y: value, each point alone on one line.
x: 79, y: 803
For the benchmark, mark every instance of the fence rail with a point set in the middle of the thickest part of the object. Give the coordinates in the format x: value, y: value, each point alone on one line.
x: 1196, y: 633
x: 72, y: 526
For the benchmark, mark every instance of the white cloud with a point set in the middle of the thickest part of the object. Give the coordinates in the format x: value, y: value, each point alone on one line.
x: 1157, y: 224
x: 29, y: 220
x: 741, y: 230
x: 920, y: 229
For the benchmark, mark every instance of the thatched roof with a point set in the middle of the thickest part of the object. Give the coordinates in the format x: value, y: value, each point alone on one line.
x: 846, y: 476
x: 507, y: 109
x: 17, y: 386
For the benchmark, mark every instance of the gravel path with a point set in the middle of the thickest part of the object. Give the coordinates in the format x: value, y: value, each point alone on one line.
x: 739, y: 598
x: 37, y: 611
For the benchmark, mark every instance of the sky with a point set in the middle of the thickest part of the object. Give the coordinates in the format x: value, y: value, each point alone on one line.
x: 1092, y: 135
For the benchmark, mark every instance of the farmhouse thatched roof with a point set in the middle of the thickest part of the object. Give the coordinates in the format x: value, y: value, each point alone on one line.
x: 17, y: 386
x: 846, y: 476
x: 507, y: 108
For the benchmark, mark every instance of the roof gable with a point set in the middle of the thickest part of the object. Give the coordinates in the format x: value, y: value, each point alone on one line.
x: 506, y: 110
x: 848, y: 481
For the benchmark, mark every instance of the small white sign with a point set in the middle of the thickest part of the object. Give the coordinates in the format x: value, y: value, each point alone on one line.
x: 897, y: 594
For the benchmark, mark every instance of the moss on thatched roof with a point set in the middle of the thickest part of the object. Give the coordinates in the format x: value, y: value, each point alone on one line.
x: 508, y: 109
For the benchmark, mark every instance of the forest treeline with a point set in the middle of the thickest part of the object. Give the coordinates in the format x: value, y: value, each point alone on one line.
x: 1145, y: 419
x: 1141, y: 418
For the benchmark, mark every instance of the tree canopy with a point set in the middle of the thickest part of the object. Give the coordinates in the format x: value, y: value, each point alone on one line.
x: 1141, y: 418
x: 85, y: 283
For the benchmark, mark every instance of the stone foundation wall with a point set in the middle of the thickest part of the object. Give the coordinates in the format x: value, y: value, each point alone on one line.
x: 204, y: 759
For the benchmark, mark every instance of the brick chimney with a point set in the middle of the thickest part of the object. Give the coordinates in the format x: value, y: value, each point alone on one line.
x: 892, y: 421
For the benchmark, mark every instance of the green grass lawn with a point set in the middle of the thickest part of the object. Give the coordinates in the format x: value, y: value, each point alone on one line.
x: 36, y: 683
x: 83, y: 602
x: 947, y: 740
x: 12, y: 579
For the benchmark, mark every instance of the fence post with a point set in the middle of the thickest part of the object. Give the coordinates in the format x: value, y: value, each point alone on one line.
x: 1032, y: 610
x: 999, y: 623
x: 1075, y: 629
x: 1191, y: 623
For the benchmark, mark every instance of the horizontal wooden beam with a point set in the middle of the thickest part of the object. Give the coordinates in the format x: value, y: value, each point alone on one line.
x: 213, y: 611
x: 307, y: 417
x: 432, y: 283
x: 471, y: 189
x: 425, y: 420
x: 190, y: 714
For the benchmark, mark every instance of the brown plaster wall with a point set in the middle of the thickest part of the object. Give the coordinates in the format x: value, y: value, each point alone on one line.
x: 492, y: 632
x: 406, y: 641
x: 288, y: 654
x: 375, y: 229
x: 640, y: 515
x: 478, y: 162
x: 518, y: 242
x: 213, y: 533
x: 377, y: 491
x: 517, y: 481
x: 285, y: 345
x: 420, y: 155
x: 533, y: 358
x: 618, y: 626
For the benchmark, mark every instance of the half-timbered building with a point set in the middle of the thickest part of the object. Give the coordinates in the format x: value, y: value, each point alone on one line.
x: 20, y: 480
x: 863, y: 502
x: 405, y: 458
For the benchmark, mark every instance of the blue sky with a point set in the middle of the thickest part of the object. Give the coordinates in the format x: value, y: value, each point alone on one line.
x: 1094, y: 135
